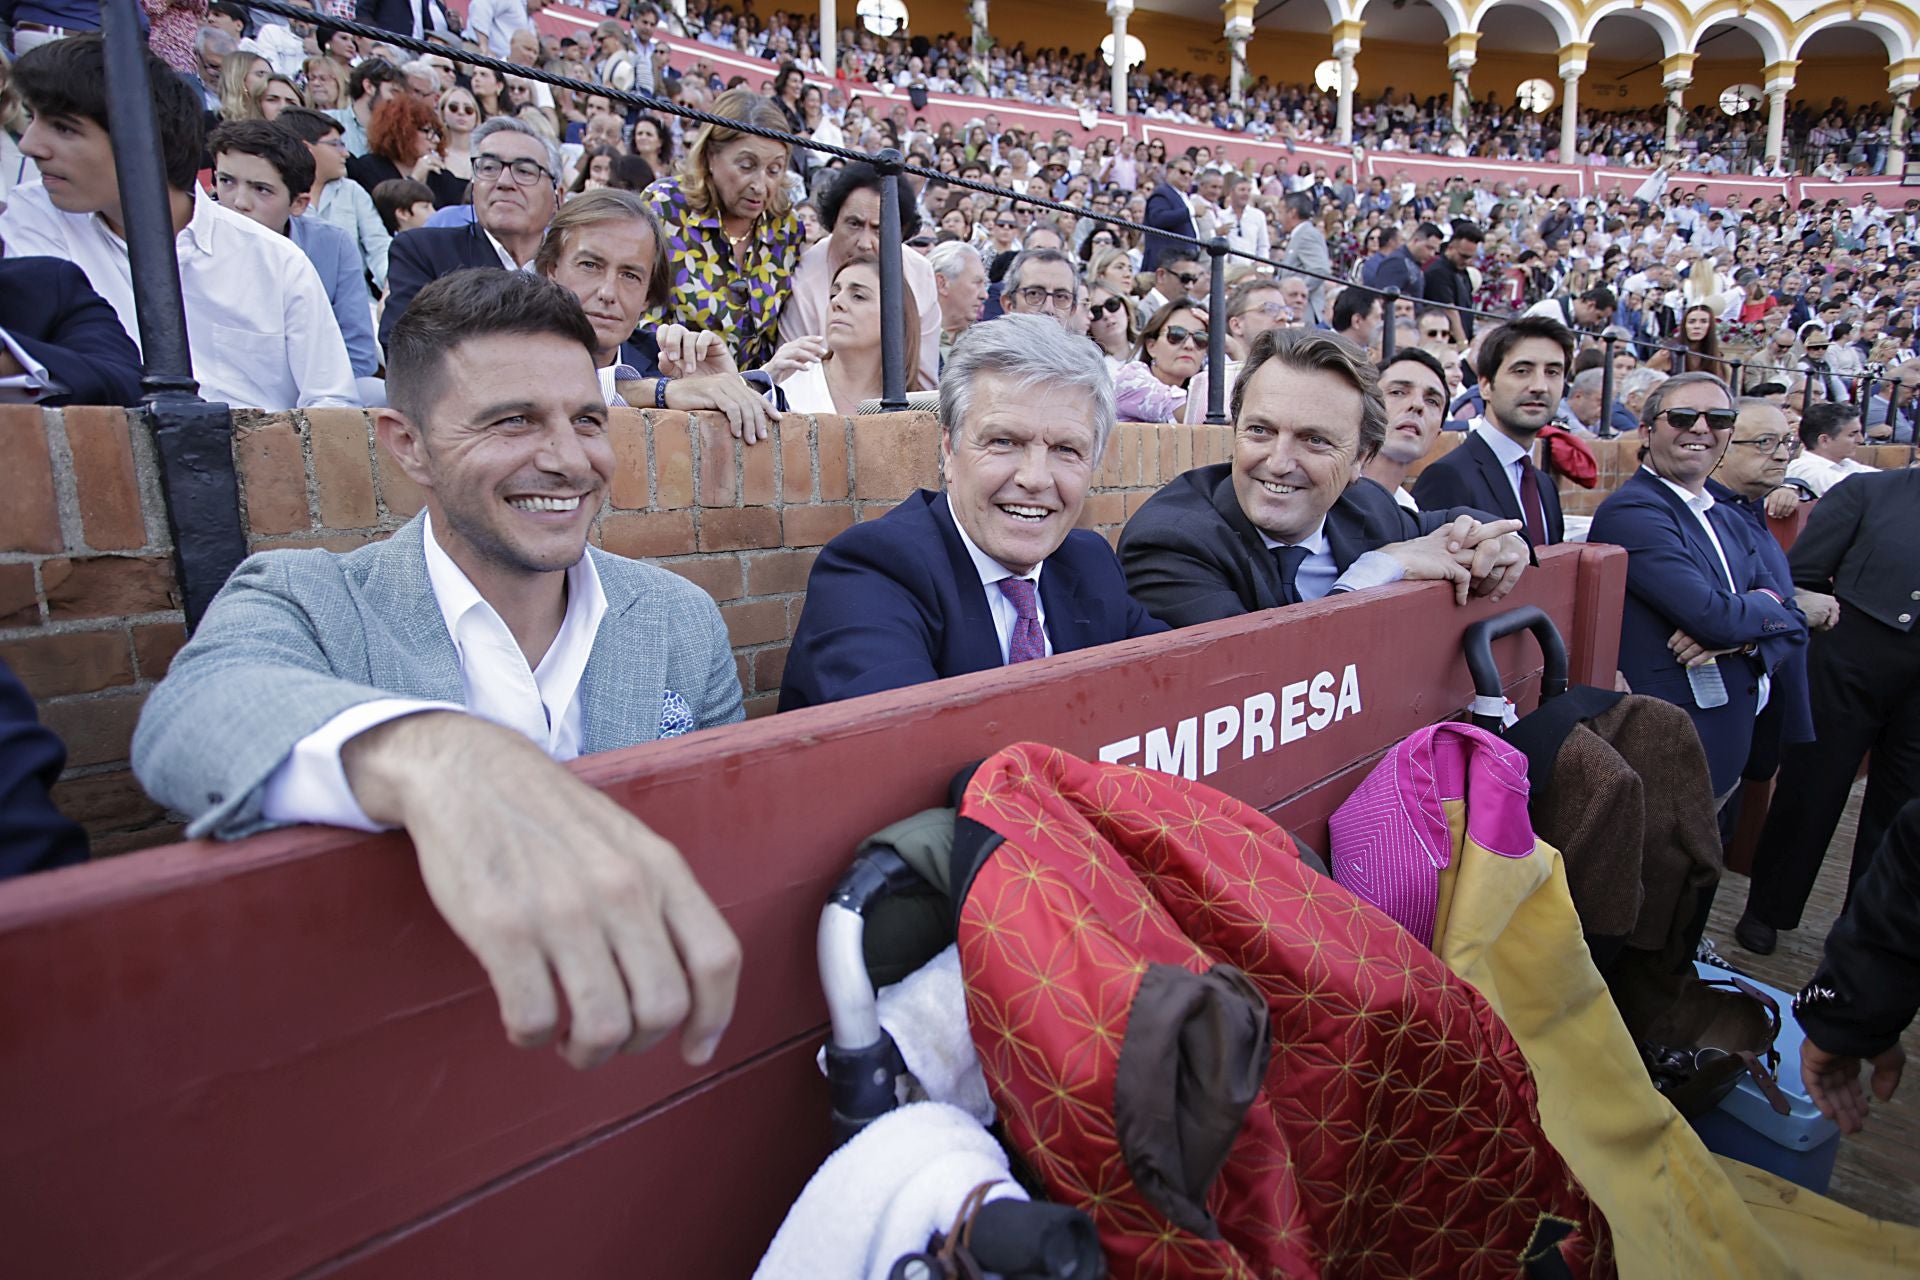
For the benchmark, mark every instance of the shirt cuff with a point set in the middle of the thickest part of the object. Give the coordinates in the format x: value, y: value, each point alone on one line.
x: 1374, y: 569
x: 34, y: 385
x: 310, y: 785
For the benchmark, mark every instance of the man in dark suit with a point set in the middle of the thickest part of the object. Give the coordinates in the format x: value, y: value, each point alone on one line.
x: 420, y: 19
x: 991, y: 572
x: 1707, y: 624
x: 1865, y: 678
x: 34, y: 836
x: 1290, y: 518
x: 516, y: 189
x: 1522, y: 374
x: 60, y: 342
x: 1168, y: 210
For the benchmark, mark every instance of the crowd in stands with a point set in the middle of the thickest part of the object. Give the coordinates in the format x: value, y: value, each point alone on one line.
x: 534, y: 258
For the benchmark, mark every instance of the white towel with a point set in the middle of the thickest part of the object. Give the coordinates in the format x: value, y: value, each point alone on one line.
x: 926, y: 1014
x: 884, y: 1194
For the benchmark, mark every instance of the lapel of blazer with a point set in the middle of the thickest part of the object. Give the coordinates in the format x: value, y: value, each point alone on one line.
x: 1262, y: 572
x: 1495, y: 477
x: 1071, y: 615
x: 976, y: 637
x: 1695, y: 536
x: 623, y: 687
x: 422, y: 662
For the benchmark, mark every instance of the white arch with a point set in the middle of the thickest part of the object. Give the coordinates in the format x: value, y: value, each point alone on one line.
x: 1899, y: 46
x: 1772, y: 40
x: 1672, y: 39
x: 1452, y: 12
x: 1556, y: 15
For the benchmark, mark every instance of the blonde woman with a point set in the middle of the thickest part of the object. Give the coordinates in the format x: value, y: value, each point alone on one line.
x: 242, y: 76
x: 326, y: 83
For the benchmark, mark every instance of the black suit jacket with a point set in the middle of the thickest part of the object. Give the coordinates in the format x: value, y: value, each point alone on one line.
x: 423, y: 255
x: 897, y: 601
x: 1471, y: 476
x: 34, y: 836
x: 1191, y: 555
x: 1167, y: 210
x: 1862, y: 544
x: 47, y: 306
x: 397, y: 15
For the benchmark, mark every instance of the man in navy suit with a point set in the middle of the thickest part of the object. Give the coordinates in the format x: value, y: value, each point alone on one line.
x: 34, y: 835
x: 1168, y: 210
x: 60, y: 342
x: 1707, y: 622
x: 1523, y: 374
x: 991, y: 572
x: 516, y: 188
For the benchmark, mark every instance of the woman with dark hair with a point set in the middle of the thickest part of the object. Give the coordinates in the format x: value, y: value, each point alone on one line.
x: 596, y: 169
x: 404, y: 141
x: 653, y: 143
x: 850, y: 370
x: 630, y: 173
x: 1699, y: 335
x: 787, y: 86
x: 1173, y: 347
x: 489, y: 92
x: 732, y: 238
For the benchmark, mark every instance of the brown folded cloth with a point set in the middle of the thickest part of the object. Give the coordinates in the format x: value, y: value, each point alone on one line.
x: 1594, y: 813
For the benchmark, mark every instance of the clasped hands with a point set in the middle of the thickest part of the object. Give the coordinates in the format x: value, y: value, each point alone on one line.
x: 1480, y: 557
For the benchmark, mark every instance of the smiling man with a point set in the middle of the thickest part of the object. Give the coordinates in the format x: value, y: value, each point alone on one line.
x: 430, y: 681
x: 993, y: 571
x: 1290, y: 518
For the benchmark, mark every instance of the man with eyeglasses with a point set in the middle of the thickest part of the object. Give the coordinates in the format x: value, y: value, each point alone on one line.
x: 1169, y: 213
x: 1707, y: 622
x: 1255, y: 306
x: 1040, y: 282
x: 516, y: 188
x: 1830, y: 433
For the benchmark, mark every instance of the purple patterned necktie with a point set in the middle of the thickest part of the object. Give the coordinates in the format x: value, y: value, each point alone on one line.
x: 1029, y: 641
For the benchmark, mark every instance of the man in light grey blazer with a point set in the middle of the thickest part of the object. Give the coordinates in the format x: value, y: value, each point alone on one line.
x: 1307, y: 250
x: 429, y: 682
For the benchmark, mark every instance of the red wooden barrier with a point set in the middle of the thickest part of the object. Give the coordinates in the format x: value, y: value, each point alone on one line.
x: 272, y: 1059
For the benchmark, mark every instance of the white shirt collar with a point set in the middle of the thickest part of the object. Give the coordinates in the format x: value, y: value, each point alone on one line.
x: 1315, y: 542
x: 1505, y: 448
x: 506, y: 259
x: 989, y: 569
x: 456, y: 595
x: 1701, y: 502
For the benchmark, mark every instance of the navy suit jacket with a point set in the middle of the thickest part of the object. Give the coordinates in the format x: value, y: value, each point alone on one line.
x: 897, y: 601
x: 1470, y: 476
x: 1674, y: 583
x: 423, y: 255
x: 34, y: 836
x: 47, y: 306
x: 1167, y: 210
x: 1788, y: 716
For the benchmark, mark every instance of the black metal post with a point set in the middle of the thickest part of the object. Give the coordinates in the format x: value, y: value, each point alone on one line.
x: 1806, y: 391
x: 1862, y: 391
x: 1604, y: 427
x: 1388, y: 302
x: 1216, y: 332
x: 1893, y: 410
x: 893, y: 312
x: 1736, y: 377
x: 193, y: 439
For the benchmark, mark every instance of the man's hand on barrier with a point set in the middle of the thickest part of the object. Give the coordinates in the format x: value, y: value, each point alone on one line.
x: 1832, y: 1081
x: 1494, y: 554
x: 545, y: 878
x: 748, y: 413
x: 1782, y: 502
x: 1689, y: 652
x: 1822, y: 611
x: 692, y: 353
x: 1436, y: 557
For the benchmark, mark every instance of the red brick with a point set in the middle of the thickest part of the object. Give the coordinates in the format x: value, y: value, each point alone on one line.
x: 343, y: 468
x: 273, y: 476
x: 1164, y: 438
x: 830, y: 446
x: 1182, y: 449
x: 1136, y: 499
x: 756, y: 622
x: 716, y: 487
x: 30, y: 514
x: 108, y: 586
x: 78, y: 662
x: 796, y: 460
x: 739, y: 528
x: 1109, y: 476
x: 718, y: 576
x: 779, y: 572
x: 768, y: 666
x: 19, y: 605
x: 103, y: 474
x: 154, y: 646
x: 627, y: 432
x: 672, y: 460
x: 815, y: 526
x: 1103, y: 509
x: 762, y: 704
x: 894, y: 454
x: 96, y: 730
x: 757, y: 486
x: 647, y: 534
x: 403, y: 498
x: 107, y: 802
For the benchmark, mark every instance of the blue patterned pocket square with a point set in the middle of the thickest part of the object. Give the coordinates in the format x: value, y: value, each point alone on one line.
x: 676, y: 717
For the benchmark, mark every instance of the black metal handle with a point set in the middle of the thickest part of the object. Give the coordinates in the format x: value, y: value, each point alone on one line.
x: 1477, y: 644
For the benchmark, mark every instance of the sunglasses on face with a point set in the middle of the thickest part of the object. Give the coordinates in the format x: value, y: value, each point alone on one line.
x: 1179, y: 335
x: 1717, y: 419
x: 1109, y: 307
x: 1187, y: 278
x: 1005, y: 222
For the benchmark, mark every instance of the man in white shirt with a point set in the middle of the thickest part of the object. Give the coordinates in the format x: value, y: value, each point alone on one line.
x: 430, y: 682
x: 1830, y: 433
x: 1245, y: 225
x: 260, y: 330
x: 491, y: 24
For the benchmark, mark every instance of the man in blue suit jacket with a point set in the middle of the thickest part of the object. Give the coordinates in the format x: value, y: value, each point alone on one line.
x: 65, y: 338
x: 1703, y: 605
x: 1168, y: 210
x: 992, y: 571
x: 34, y: 835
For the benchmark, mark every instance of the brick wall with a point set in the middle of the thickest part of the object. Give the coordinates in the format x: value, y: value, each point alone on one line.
x: 89, y: 611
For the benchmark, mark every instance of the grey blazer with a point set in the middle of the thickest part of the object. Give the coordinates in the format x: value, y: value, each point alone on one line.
x: 296, y: 637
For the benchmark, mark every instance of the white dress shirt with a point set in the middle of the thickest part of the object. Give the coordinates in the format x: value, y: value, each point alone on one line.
x: 494, y: 22
x: 992, y: 572
x: 260, y: 329
x: 543, y: 702
x: 1819, y: 474
x: 32, y: 385
x: 1699, y: 504
x: 1319, y: 576
x: 1247, y: 231
x: 1510, y: 455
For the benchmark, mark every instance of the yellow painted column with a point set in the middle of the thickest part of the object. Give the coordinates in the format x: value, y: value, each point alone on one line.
x: 1239, y: 28
x: 1462, y: 50
x: 1573, y: 64
x: 1779, y: 83
x: 1676, y: 77
x: 1346, y: 44
x: 1904, y: 78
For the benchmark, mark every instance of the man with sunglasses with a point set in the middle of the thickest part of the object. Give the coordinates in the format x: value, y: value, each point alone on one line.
x: 1707, y: 621
x: 1182, y: 273
x: 1168, y: 212
x: 516, y: 189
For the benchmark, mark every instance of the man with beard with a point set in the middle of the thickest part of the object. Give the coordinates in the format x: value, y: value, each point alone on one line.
x: 1523, y: 373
